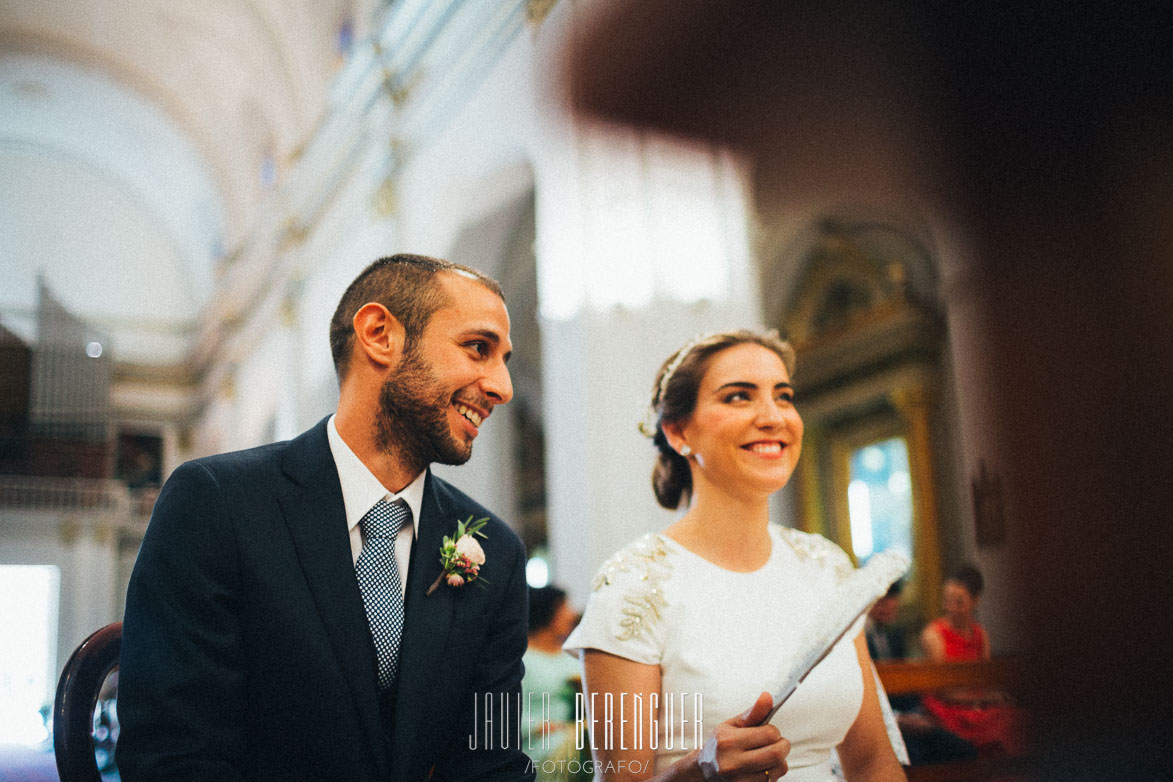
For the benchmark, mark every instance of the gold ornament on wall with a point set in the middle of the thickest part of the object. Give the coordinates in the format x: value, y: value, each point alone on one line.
x: 536, y: 12
x: 386, y: 200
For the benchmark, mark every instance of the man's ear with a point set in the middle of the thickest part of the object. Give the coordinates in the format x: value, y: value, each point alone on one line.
x: 378, y: 335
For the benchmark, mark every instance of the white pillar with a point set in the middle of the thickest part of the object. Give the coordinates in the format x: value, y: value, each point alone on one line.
x: 89, y: 582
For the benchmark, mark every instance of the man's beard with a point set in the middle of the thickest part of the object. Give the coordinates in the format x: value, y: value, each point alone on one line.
x: 412, y: 422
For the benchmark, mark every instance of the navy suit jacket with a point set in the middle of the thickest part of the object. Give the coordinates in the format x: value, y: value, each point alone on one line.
x: 246, y: 653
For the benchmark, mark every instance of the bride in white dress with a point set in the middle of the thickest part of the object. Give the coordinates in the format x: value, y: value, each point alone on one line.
x: 685, y: 627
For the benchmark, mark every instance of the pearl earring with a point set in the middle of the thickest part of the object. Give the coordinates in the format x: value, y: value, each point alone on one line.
x: 685, y: 451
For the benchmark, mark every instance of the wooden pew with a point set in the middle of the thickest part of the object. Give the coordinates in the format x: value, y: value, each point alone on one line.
x: 921, y: 676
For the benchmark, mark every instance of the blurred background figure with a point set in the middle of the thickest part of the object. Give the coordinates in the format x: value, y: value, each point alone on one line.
x: 958, y: 635
x: 552, y: 679
x: 886, y: 639
x: 985, y: 718
x: 926, y: 740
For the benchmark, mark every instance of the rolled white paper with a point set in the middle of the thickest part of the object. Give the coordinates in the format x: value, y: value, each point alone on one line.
x: 853, y: 597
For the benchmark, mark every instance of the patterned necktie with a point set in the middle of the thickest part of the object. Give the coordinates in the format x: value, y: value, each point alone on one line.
x: 378, y: 580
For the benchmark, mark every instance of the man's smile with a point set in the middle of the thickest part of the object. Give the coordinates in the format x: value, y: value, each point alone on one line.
x: 472, y: 415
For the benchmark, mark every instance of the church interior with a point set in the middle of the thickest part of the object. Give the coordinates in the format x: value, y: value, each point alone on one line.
x: 959, y: 220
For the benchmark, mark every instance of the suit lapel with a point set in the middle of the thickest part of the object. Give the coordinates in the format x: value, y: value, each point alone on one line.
x: 428, y: 621
x: 316, y: 519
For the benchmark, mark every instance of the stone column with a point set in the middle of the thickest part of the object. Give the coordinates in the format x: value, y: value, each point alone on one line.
x: 89, y: 580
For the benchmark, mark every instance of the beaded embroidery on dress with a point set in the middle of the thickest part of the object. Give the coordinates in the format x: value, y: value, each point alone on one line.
x: 647, y: 558
x: 656, y: 603
x: 815, y: 548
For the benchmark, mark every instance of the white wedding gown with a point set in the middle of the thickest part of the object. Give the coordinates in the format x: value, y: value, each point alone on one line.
x: 729, y: 636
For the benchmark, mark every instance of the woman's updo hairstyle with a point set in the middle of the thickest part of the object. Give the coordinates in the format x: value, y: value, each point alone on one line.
x: 674, y: 396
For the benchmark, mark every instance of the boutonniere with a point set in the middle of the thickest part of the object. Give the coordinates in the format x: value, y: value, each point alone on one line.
x: 461, y: 556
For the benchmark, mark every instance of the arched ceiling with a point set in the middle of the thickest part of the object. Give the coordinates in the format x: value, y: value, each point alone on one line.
x: 138, y: 139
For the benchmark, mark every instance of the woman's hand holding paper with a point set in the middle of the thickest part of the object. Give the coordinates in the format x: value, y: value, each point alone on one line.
x: 743, y: 749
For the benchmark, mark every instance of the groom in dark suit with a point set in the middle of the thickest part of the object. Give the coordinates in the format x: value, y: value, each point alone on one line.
x: 281, y: 622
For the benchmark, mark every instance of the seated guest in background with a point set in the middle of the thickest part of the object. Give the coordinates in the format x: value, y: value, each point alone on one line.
x: 981, y: 717
x: 927, y: 742
x: 958, y: 635
x: 552, y: 677
x: 885, y: 639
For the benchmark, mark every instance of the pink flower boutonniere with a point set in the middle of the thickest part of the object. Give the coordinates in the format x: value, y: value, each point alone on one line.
x: 461, y: 556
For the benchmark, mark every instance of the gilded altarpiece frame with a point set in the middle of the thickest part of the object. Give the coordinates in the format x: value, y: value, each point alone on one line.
x: 868, y: 370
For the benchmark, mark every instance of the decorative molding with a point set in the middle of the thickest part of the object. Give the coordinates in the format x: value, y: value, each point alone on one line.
x: 179, y: 375
x: 227, y: 388
x: 94, y: 495
x: 104, y: 510
x: 293, y: 234
x: 536, y: 12
x: 868, y: 369
x: 104, y: 533
x: 836, y: 267
x: 400, y: 91
x: 290, y: 306
x: 914, y: 404
x: 69, y: 531
x: 385, y: 201
x: 893, y: 336
x: 812, y: 512
x: 401, y: 80
x: 289, y: 309
x: 911, y: 400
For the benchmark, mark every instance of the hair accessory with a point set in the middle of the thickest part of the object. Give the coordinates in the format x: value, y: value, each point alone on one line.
x: 670, y: 370
x: 685, y: 451
x: 648, y: 426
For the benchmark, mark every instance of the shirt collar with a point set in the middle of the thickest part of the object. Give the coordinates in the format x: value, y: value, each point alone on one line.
x: 361, y: 490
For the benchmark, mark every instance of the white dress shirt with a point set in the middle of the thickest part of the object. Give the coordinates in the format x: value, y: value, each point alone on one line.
x: 361, y: 491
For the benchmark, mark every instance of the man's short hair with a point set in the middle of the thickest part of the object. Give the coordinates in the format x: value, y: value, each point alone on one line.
x: 407, y: 286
